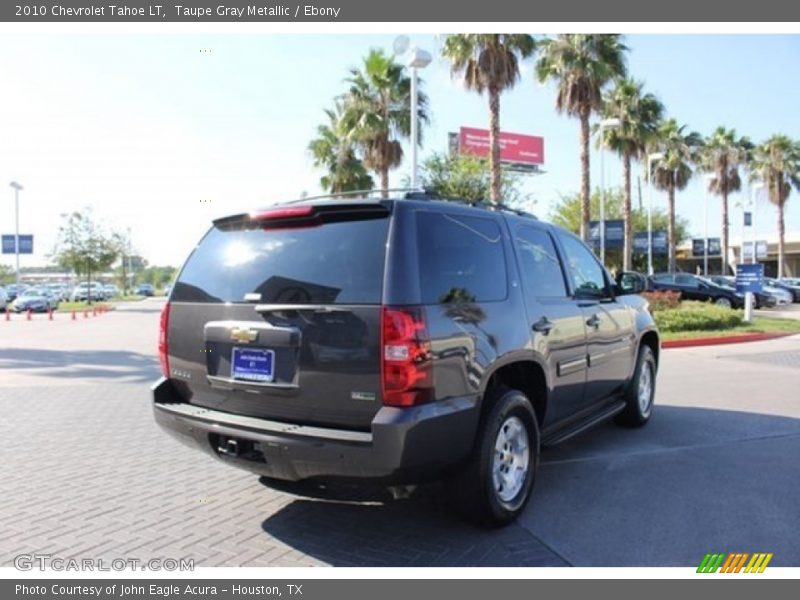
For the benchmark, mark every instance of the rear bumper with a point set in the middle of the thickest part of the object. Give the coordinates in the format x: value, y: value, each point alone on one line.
x: 403, y: 446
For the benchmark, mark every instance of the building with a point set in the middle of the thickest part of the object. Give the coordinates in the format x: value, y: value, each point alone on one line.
x: 694, y: 264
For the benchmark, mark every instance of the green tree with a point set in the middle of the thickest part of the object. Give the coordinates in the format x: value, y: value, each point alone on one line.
x: 83, y: 247
x: 776, y: 162
x: 674, y: 171
x: 721, y: 155
x: 639, y: 115
x: 6, y: 274
x: 377, y: 112
x: 466, y: 178
x: 567, y: 213
x: 333, y: 150
x: 489, y: 63
x: 581, y: 65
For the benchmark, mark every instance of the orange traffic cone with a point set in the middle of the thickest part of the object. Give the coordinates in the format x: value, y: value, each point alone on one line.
x: 73, y: 315
x: 50, y: 314
x: 30, y: 312
x: 8, y: 314
x: 94, y: 312
x: 86, y: 314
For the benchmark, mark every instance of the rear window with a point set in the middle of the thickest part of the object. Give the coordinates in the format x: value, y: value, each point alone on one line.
x: 335, y: 263
x: 461, y: 258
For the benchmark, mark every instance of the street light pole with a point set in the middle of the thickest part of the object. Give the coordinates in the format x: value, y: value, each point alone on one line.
x: 604, y: 124
x: 756, y: 186
x: 17, y: 188
x: 418, y: 59
x: 650, y: 158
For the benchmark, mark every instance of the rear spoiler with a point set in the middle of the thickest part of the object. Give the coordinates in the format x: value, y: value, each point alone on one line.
x: 304, y: 215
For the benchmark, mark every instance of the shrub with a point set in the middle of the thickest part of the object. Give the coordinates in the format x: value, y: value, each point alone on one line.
x: 697, y: 316
x: 662, y: 300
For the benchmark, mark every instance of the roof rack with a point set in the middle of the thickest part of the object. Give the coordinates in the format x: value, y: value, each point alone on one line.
x: 495, y: 206
x: 356, y: 193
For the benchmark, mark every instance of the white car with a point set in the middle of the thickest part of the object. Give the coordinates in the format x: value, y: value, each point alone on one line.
x: 3, y: 298
x: 82, y: 290
x: 781, y: 295
x: 111, y: 290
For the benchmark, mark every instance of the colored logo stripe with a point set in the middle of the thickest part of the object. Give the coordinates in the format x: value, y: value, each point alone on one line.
x: 734, y: 561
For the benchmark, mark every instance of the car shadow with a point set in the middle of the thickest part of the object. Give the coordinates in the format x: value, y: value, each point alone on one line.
x: 694, y: 480
x: 421, y: 531
x: 80, y: 364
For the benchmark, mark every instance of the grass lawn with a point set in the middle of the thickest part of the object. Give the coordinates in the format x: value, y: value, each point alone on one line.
x: 758, y: 325
x: 70, y: 306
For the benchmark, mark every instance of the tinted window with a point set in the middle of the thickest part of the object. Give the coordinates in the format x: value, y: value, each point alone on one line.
x: 587, y: 274
x: 461, y: 258
x: 686, y: 280
x: 541, y: 269
x: 335, y: 263
x: 664, y: 278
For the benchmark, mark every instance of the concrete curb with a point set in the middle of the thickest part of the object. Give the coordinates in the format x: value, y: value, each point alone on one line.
x: 724, y: 339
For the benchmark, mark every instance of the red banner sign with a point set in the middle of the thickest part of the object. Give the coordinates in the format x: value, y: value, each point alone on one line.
x: 514, y: 147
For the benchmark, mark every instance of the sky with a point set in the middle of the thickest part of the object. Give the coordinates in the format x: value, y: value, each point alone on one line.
x: 161, y: 133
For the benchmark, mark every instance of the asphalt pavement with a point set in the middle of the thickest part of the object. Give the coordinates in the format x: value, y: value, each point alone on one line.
x: 85, y: 472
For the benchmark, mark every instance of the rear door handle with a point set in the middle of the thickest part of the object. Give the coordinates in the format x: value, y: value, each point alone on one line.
x: 593, y: 321
x: 543, y: 325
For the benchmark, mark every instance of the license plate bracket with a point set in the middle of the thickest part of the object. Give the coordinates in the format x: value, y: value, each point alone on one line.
x: 253, y: 364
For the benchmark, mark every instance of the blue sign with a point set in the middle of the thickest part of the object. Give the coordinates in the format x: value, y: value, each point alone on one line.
x: 659, y: 242
x: 614, y: 233
x: 25, y: 244
x: 749, y: 278
x: 699, y: 249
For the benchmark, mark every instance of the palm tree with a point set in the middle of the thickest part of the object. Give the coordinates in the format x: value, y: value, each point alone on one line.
x: 776, y: 162
x: 378, y: 112
x: 581, y: 65
x: 674, y: 171
x: 721, y: 155
x: 490, y: 63
x: 333, y: 151
x: 639, y: 115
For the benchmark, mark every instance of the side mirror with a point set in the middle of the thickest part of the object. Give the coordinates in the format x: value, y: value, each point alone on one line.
x: 630, y: 282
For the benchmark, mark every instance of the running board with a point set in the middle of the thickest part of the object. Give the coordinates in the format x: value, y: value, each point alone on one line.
x: 566, y: 432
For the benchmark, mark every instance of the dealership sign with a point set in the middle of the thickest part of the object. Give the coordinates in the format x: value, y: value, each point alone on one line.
x: 25, y: 244
x: 517, y: 150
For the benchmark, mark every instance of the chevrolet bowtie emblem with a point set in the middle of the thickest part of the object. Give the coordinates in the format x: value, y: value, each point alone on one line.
x: 243, y: 335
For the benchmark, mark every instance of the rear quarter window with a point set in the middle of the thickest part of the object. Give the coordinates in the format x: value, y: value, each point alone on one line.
x: 461, y: 258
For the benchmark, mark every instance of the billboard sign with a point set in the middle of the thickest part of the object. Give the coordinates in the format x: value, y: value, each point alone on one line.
x: 515, y: 148
x: 25, y: 244
x: 614, y: 233
x: 659, y: 242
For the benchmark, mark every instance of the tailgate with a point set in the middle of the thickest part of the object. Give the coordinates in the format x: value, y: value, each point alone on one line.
x: 280, y: 317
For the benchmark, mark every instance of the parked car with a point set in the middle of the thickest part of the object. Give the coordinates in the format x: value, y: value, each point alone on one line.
x: 146, y: 289
x: 3, y: 298
x: 794, y: 290
x: 83, y: 291
x: 167, y: 289
x: 13, y: 290
x: 763, y: 299
x: 35, y: 299
x: 398, y: 341
x: 692, y: 287
x: 60, y: 290
x: 111, y: 290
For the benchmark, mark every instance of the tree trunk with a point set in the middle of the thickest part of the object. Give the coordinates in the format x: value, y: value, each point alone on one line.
x: 384, y: 173
x: 725, y: 231
x: 671, y: 226
x: 781, y: 233
x: 585, y: 191
x: 494, y: 142
x: 627, y: 250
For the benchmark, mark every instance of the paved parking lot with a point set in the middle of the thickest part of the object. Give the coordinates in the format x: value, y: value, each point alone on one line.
x: 86, y: 473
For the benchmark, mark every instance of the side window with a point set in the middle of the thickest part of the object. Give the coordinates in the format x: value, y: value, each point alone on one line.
x: 686, y: 281
x: 664, y: 278
x: 541, y: 269
x: 587, y: 274
x: 461, y: 258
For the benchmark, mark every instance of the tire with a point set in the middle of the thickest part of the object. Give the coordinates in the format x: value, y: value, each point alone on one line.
x: 723, y: 302
x: 508, y: 438
x: 641, y: 391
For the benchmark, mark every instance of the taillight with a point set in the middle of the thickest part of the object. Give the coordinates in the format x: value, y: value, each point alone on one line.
x: 407, y: 370
x: 163, y: 345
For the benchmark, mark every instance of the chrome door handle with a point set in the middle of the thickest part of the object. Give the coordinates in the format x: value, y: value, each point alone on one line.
x: 593, y: 321
x: 543, y: 325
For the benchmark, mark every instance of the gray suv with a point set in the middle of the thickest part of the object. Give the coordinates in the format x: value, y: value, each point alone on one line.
x: 398, y: 341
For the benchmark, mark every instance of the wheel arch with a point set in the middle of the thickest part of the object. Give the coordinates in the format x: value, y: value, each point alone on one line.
x: 526, y: 374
